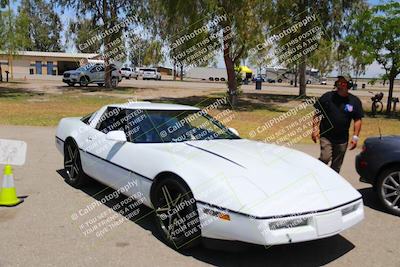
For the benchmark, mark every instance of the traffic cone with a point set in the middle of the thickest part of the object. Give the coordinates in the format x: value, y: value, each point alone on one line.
x: 8, y: 195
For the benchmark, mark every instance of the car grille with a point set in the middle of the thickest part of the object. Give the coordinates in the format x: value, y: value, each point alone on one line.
x: 66, y: 75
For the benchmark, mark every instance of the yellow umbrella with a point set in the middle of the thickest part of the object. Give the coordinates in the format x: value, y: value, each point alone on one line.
x: 245, y: 69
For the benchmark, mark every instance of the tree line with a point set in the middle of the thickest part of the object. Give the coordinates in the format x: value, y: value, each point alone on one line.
x: 347, y: 35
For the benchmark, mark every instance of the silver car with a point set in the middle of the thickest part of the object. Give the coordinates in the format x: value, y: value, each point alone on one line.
x: 91, y: 73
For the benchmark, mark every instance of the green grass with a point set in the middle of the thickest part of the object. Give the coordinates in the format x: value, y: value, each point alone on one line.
x: 37, y: 109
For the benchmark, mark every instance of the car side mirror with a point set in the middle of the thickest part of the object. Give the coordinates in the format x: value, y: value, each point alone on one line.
x: 233, y: 130
x: 118, y: 136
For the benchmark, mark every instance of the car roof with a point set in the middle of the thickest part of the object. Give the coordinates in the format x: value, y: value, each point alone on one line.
x: 152, y: 106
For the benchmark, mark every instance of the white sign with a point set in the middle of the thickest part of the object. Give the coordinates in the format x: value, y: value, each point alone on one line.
x: 12, y: 152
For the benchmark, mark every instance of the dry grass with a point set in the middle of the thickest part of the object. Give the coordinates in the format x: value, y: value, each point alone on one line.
x: 47, y: 110
x: 27, y: 108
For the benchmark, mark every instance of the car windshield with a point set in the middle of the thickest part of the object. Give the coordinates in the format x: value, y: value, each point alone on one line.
x: 85, y: 67
x: 125, y: 69
x: 149, y: 70
x: 166, y: 126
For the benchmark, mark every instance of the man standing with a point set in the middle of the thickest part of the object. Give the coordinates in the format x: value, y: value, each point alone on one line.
x: 337, y: 109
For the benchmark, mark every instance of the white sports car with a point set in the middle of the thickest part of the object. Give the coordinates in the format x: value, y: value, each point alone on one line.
x: 202, y: 180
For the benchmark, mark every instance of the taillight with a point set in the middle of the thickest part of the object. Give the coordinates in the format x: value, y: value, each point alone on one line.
x: 363, y: 164
x: 364, y: 148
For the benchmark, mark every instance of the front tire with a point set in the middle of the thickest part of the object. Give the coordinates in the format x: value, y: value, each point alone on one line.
x: 388, y: 188
x: 83, y: 81
x: 73, y: 166
x: 176, y: 213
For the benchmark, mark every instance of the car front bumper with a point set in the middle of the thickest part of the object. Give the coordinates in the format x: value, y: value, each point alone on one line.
x: 259, y: 231
x: 70, y: 80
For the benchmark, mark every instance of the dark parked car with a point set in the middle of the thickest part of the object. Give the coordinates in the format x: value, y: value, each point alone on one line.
x: 379, y: 164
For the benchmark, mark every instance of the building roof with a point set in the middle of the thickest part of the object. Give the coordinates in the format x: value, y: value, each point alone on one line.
x: 153, y: 106
x: 52, y: 54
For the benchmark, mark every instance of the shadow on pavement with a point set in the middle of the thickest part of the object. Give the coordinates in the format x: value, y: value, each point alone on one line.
x: 371, y: 200
x: 223, y: 253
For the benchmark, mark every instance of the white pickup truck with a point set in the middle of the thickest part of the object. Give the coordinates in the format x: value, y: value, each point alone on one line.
x: 128, y: 73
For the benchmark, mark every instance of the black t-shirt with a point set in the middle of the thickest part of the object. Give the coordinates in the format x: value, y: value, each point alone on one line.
x: 337, y: 114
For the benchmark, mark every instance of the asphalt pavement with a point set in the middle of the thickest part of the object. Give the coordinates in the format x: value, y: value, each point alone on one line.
x: 42, y: 231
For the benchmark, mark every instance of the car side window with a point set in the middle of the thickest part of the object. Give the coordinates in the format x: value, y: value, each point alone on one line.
x: 97, y: 68
x: 113, y: 119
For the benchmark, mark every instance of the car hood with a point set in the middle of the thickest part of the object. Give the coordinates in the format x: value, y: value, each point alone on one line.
x: 261, y: 179
x: 72, y: 72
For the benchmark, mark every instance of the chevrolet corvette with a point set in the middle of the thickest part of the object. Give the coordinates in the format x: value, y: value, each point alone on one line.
x: 201, y: 179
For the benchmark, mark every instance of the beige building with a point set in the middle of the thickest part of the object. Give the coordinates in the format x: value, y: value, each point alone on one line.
x: 34, y: 64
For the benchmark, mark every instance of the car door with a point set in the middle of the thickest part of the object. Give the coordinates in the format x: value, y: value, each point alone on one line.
x: 110, y: 160
x: 99, y: 73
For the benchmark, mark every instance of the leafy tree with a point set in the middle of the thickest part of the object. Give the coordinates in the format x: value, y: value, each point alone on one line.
x: 44, y: 25
x: 242, y: 30
x: 111, y: 17
x: 261, y: 58
x: 137, y: 46
x: 353, y: 53
x: 171, y: 20
x: 144, y: 51
x: 80, y: 32
x: 14, y: 32
x: 153, y: 54
x: 322, y: 59
x: 331, y: 15
x: 342, y: 57
x: 378, y: 36
x: 236, y: 26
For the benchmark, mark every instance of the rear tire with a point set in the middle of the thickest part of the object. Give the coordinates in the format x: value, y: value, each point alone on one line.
x: 176, y: 213
x: 100, y: 84
x: 114, y: 82
x: 388, y: 188
x: 76, y: 177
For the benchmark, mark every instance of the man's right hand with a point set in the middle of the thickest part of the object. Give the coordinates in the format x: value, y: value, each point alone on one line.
x: 315, y: 136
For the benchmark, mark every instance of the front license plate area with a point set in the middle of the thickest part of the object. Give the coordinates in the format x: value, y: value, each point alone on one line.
x: 329, y: 223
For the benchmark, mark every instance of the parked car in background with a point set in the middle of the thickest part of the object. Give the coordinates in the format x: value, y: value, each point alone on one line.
x: 323, y: 81
x: 379, y: 164
x: 128, y: 73
x: 91, y: 73
x: 151, y: 74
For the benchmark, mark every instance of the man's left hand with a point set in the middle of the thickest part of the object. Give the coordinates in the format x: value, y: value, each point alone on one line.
x: 353, y: 144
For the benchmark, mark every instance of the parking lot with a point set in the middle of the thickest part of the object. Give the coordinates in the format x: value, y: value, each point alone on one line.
x: 41, y: 232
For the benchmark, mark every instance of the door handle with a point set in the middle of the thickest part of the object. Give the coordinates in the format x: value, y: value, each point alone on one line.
x: 90, y: 138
